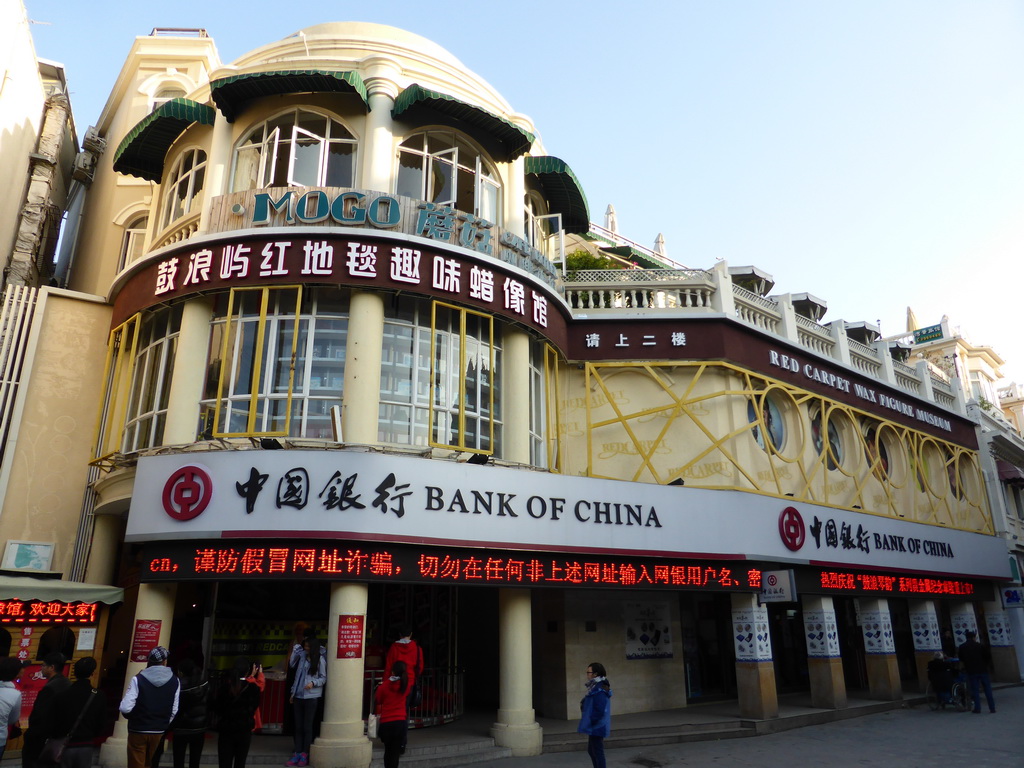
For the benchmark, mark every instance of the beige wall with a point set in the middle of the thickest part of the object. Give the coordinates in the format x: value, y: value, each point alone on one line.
x: 21, y: 114
x: 54, y: 421
x: 565, y: 647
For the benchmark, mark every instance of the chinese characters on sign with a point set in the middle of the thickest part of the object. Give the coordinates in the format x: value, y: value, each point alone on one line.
x: 145, y: 639
x: 836, y: 581
x: 625, y: 341
x: 53, y: 612
x: 434, y: 565
x: 350, y: 636
x: 223, y: 266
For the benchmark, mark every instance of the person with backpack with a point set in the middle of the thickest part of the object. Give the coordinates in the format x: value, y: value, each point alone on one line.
x: 189, y: 727
x: 150, y: 704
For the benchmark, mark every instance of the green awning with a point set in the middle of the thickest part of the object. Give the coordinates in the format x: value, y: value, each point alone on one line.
x: 563, y: 191
x: 142, y: 151
x: 29, y: 588
x: 629, y: 253
x: 416, y: 103
x: 231, y: 94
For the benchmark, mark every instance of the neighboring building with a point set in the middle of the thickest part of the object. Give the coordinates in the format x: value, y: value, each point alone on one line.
x: 317, y: 300
x: 43, y: 464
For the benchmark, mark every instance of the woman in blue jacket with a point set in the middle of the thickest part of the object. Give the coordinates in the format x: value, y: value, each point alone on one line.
x: 596, y: 707
x: 310, y: 675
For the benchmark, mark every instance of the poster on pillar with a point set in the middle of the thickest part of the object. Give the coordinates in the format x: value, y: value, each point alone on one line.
x: 877, y: 628
x: 350, y: 636
x: 822, y: 634
x: 998, y: 630
x: 924, y: 626
x: 962, y: 624
x: 145, y: 639
x: 648, y: 631
x: 750, y: 633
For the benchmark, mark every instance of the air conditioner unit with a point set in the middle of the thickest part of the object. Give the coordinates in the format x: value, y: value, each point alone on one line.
x: 93, y: 141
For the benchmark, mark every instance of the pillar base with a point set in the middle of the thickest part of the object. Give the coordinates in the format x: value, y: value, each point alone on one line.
x: 114, y: 752
x: 341, y: 753
x: 883, y: 677
x: 828, y: 686
x: 523, y: 740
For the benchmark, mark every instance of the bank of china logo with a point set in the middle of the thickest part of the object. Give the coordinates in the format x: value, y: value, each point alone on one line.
x: 791, y: 529
x: 187, y: 493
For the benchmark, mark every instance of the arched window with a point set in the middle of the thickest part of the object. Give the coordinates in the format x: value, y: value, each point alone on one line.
x: 300, y: 149
x: 442, y: 168
x: 166, y: 93
x: 184, y: 186
x: 133, y: 241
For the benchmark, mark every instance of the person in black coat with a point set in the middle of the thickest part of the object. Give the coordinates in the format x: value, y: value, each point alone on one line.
x: 237, y: 700
x: 976, y: 658
x: 189, y: 725
x: 40, y: 719
x: 86, y: 706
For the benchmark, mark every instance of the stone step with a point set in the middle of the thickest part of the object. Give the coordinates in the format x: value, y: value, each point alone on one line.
x: 649, y: 737
x: 442, y: 755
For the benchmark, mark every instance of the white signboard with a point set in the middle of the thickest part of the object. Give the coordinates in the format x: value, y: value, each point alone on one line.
x: 924, y: 625
x: 822, y: 634
x: 380, y: 497
x: 750, y: 634
x: 877, y: 629
x: 1012, y: 597
x: 648, y: 631
x: 998, y: 629
x: 778, y: 587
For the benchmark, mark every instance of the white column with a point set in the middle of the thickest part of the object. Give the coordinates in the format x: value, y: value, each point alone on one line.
x: 342, y: 742
x: 189, y: 373
x: 378, y: 144
x: 218, y: 166
x: 361, y: 396
x: 515, y: 395
x: 515, y: 198
x: 516, y: 726
x: 155, y: 603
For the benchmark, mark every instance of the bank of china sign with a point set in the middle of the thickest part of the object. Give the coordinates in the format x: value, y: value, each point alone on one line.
x: 374, y: 497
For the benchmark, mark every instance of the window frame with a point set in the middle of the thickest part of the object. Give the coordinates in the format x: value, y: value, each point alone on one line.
x: 118, y: 374
x: 459, y: 404
x: 191, y: 203
x: 484, y: 170
x: 256, y: 395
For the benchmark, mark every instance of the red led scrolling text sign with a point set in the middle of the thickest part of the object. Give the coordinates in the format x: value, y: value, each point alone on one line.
x: 54, y: 612
x: 897, y: 584
x: 288, y: 562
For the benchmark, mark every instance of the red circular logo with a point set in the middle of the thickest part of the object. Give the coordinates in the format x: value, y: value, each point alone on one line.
x: 187, y: 493
x: 791, y: 529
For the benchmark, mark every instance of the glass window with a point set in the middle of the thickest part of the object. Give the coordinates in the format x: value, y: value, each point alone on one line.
x: 118, y: 373
x: 769, y: 429
x: 133, y: 241
x: 166, y: 93
x: 299, y: 148
x: 440, y: 167
x: 263, y: 391
x: 440, y: 378
x: 151, y: 380
x: 184, y: 186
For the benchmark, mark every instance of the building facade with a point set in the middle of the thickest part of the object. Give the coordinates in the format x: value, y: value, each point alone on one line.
x: 329, y: 366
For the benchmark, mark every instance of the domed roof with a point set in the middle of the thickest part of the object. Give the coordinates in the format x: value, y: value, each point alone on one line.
x: 366, y: 30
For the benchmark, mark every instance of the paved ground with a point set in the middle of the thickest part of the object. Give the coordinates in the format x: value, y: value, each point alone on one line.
x: 913, y: 737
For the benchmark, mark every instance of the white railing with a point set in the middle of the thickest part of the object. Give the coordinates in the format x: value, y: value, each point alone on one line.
x: 756, y: 310
x: 815, y: 336
x: 630, y: 289
x: 906, y: 377
x: 182, y: 229
x: 865, y: 358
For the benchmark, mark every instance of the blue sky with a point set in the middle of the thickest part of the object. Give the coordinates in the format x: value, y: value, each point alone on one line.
x: 870, y: 153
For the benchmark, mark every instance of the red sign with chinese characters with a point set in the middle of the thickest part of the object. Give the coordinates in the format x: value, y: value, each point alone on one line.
x: 832, y: 581
x: 146, y: 638
x: 350, y: 636
x: 52, y: 612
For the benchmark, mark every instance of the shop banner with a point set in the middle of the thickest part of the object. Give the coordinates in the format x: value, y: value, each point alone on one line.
x: 391, y: 498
